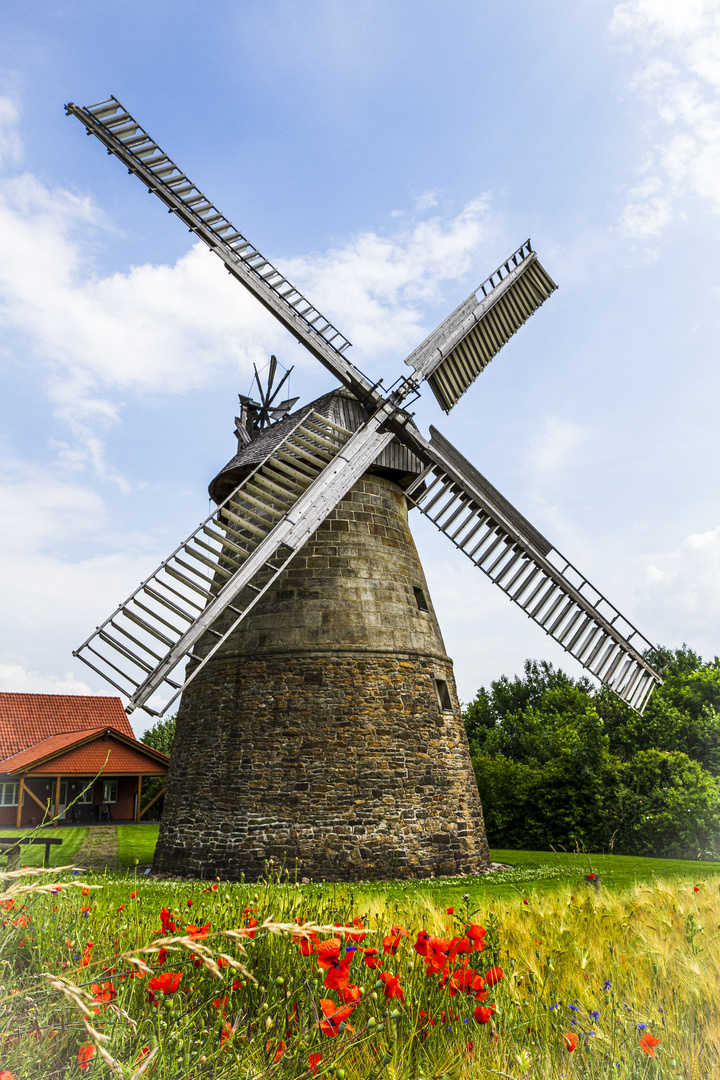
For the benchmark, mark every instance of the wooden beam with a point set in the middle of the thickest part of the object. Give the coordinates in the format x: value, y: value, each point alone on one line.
x: 57, y: 801
x: 139, y: 794
x: 155, y: 799
x: 18, y: 816
x: 44, y: 806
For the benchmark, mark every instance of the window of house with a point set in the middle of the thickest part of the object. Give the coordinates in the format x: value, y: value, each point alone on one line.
x: 9, y: 794
x: 443, y: 694
x: 85, y: 787
x: 110, y: 791
x: 420, y: 599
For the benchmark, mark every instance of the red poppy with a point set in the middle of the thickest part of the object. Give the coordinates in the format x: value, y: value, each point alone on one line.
x: 121, y: 908
x: 85, y: 1054
x: 450, y: 910
x: 313, y: 1062
x: 571, y: 1042
x: 227, y: 1029
x: 251, y: 923
x: 5, y: 1075
x: 327, y: 951
x: 167, y: 924
x: 696, y: 888
x: 476, y: 935
x: 306, y: 945
x: 162, y: 957
x: 494, y: 975
x: 399, y: 930
x: 648, y: 1044
x: 350, y: 993
x: 371, y: 958
x: 466, y: 979
x: 280, y: 1051
x: 133, y: 896
x: 358, y: 934
x: 189, y: 903
x: 338, y: 973
x: 393, y: 989
x: 483, y: 1014
x: 103, y: 993
x: 197, y: 933
x: 390, y: 944
x: 459, y: 945
x: 422, y: 945
x: 218, y: 1002
x: 168, y: 982
x: 86, y: 953
x: 335, y: 1015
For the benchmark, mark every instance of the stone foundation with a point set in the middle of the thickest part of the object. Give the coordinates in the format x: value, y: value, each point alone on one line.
x: 326, y: 733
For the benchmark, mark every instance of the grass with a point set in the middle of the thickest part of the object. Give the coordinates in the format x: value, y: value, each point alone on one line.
x: 604, y: 968
x: 60, y: 854
x: 136, y: 842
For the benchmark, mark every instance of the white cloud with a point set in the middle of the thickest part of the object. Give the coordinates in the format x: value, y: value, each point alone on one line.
x: 555, y: 446
x: 376, y: 287
x: 681, y: 593
x: 17, y: 678
x: 11, y: 148
x: 679, y: 80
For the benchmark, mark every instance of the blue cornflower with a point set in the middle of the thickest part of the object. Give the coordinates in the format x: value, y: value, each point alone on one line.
x: 466, y: 1021
x: 77, y: 871
x: 573, y: 1021
x: 594, y: 1015
x: 349, y: 948
x: 641, y: 1027
x: 555, y: 1006
x: 607, y: 985
x: 575, y: 1008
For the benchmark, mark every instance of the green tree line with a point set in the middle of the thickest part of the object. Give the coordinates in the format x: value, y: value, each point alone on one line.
x: 562, y: 763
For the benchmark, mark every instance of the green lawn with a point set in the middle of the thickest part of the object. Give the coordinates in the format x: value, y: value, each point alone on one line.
x: 532, y: 871
x: 60, y: 854
x: 136, y: 842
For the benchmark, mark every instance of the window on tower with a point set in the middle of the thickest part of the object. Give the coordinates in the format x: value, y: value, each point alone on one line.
x: 443, y: 694
x: 420, y: 599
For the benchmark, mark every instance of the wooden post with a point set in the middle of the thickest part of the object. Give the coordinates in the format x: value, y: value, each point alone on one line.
x: 18, y: 816
x: 139, y: 794
x: 57, y: 801
x: 154, y: 799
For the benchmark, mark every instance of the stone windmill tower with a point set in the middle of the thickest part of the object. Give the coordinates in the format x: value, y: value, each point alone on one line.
x: 319, y: 719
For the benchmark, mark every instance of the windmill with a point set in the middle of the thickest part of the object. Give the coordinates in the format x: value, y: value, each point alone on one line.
x: 319, y: 718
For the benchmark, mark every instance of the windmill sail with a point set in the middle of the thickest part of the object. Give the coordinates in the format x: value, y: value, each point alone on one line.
x: 514, y: 555
x: 453, y: 356
x: 124, y: 137
x: 212, y: 580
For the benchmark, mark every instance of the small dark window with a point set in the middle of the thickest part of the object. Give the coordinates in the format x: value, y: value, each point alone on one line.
x: 420, y: 600
x: 443, y: 695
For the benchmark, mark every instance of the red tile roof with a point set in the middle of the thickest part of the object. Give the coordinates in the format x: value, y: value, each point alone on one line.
x: 98, y: 749
x: 28, y: 719
x: 77, y: 753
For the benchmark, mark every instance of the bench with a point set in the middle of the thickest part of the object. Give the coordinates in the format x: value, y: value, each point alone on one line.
x: 9, y: 842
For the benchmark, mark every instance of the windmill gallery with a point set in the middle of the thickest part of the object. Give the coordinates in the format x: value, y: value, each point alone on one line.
x: 319, y: 722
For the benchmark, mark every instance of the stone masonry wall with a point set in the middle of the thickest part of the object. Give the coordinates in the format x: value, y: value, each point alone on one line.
x: 316, y: 736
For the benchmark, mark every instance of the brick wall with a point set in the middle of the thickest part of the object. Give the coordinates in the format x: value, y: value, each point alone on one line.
x: 316, y: 733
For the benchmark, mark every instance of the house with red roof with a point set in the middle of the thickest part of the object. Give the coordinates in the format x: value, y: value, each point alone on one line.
x: 71, y: 758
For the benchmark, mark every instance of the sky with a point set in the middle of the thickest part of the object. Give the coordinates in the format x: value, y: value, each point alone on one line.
x: 387, y: 156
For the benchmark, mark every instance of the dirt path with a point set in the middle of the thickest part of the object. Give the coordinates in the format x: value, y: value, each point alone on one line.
x: 100, y: 849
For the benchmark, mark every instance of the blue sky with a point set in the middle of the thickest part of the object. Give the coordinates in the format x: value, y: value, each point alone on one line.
x: 387, y: 156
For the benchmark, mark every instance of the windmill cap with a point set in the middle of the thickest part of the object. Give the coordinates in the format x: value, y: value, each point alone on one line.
x: 395, y: 462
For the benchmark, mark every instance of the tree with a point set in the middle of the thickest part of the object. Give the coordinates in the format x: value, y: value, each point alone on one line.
x: 560, y: 762
x: 160, y: 736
